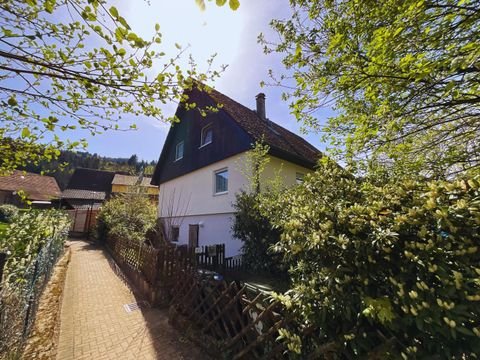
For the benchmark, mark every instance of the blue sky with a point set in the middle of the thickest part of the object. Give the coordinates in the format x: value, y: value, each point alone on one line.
x: 230, y: 34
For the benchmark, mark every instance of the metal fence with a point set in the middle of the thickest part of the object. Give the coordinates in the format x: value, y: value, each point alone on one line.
x: 20, y: 294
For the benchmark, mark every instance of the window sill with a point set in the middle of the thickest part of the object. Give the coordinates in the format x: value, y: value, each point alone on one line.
x: 220, y: 193
x: 202, y: 146
x: 177, y: 159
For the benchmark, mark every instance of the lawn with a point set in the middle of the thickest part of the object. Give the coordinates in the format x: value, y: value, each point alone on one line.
x: 3, y: 229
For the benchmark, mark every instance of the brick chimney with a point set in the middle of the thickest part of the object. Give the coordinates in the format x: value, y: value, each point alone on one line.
x: 261, y: 106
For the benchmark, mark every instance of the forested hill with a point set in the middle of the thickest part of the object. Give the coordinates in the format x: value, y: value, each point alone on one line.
x: 68, y: 161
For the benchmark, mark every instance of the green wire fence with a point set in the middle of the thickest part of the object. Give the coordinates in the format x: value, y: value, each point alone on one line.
x: 19, y: 296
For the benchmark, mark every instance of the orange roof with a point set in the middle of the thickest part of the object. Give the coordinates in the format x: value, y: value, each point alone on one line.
x: 37, y: 187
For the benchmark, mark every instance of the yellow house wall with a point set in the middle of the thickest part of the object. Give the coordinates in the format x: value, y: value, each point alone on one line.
x: 284, y: 170
x: 152, y: 190
x: 119, y: 188
x: 116, y: 188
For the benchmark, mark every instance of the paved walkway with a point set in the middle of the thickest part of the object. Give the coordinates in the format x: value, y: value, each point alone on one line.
x: 95, y: 324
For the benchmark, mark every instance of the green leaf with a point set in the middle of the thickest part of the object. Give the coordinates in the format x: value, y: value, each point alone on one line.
x: 12, y: 101
x: 234, y: 4
x: 114, y: 12
x: 221, y: 2
x: 25, y: 132
x: 122, y: 21
x: 120, y: 34
x: 200, y: 4
x: 49, y: 5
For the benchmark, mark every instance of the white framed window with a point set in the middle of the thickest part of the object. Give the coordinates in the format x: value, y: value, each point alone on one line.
x: 175, y: 233
x: 179, y: 151
x: 221, y: 181
x: 206, y: 135
x: 299, y: 177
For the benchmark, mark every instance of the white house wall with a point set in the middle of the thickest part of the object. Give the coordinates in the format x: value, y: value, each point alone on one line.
x: 213, y: 229
x: 190, y: 199
x: 193, y: 193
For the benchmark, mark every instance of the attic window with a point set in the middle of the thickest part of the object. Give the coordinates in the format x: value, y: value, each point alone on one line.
x: 206, y: 135
x: 179, y: 151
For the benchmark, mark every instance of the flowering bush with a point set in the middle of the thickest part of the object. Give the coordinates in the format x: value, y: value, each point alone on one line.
x: 127, y: 216
x: 27, y: 234
x: 382, y: 270
x: 8, y: 212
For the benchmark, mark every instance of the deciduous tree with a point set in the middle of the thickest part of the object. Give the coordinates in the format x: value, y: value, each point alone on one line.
x: 403, y: 77
x: 77, y: 64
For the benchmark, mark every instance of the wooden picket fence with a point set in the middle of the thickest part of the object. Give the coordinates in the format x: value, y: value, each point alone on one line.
x: 210, y: 257
x: 234, y: 263
x: 231, y: 318
x: 153, y: 270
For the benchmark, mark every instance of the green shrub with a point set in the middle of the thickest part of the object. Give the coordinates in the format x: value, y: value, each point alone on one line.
x: 127, y: 216
x: 8, y: 212
x: 382, y: 270
x: 257, y: 235
x: 27, y: 234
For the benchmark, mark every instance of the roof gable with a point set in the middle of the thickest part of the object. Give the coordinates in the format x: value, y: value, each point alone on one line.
x: 229, y: 139
x: 277, y: 137
x: 240, y: 124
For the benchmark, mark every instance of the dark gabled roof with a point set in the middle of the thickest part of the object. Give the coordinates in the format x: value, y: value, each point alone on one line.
x: 282, y: 142
x: 37, y: 187
x: 91, y: 179
x: 277, y: 137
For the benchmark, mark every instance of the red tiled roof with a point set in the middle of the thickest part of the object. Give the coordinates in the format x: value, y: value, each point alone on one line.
x: 276, y: 136
x: 37, y: 187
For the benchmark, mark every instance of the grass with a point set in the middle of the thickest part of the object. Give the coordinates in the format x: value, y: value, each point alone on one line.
x: 3, y: 229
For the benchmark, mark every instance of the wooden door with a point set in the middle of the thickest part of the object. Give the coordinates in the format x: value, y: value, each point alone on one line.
x: 193, y: 235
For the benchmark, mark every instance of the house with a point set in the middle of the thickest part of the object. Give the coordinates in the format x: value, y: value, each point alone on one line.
x: 202, y: 166
x: 42, y: 191
x: 87, y: 189
x: 124, y: 184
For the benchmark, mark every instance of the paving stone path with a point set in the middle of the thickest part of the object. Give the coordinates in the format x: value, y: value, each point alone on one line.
x: 95, y: 324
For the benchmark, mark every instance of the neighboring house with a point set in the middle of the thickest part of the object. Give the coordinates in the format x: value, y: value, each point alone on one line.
x: 124, y: 184
x: 42, y: 191
x: 203, y: 162
x: 87, y: 189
